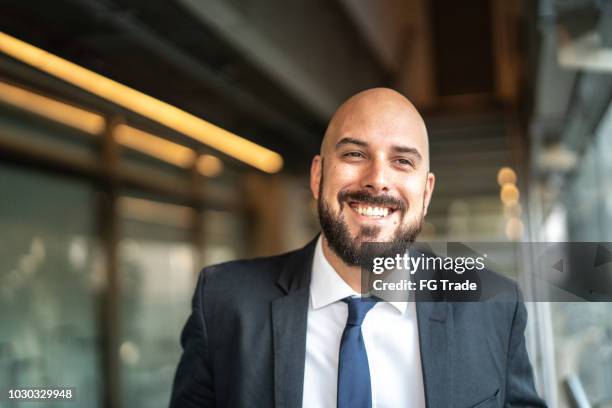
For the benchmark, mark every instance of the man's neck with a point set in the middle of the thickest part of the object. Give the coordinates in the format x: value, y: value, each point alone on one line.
x: 349, y: 274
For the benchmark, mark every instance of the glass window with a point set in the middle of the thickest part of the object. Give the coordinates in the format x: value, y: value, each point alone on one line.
x: 48, y: 284
x: 157, y: 272
x: 583, y: 331
x: 223, y: 237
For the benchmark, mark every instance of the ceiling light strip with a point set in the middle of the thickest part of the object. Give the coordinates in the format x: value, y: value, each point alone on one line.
x: 94, y: 124
x: 49, y: 108
x: 152, y: 145
x: 145, y: 105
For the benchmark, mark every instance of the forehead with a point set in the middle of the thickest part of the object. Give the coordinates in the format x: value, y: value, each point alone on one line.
x: 380, y: 123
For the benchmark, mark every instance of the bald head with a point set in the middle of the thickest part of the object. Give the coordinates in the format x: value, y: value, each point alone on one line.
x: 382, y: 111
x: 372, y: 181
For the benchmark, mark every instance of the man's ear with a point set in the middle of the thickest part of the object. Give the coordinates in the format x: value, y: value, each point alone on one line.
x: 429, y: 188
x: 315, y: 175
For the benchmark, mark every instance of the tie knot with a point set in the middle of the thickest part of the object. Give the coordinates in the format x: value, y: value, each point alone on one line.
x: 357, y: 309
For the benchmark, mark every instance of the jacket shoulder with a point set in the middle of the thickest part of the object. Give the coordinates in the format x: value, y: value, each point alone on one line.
x: 244, y: 271
x: 257, y: 274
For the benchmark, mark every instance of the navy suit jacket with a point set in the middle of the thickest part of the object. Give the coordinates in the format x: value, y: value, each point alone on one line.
x: 244, y: 343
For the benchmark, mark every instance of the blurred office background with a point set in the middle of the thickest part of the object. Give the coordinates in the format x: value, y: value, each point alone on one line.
x: 113, y: 198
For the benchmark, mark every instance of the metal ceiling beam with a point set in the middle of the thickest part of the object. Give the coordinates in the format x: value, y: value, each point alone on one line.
x: 246, y: 38
x: 200, y: 72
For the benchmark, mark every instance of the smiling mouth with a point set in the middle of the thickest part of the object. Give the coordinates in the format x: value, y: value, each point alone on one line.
x: 372, y: 211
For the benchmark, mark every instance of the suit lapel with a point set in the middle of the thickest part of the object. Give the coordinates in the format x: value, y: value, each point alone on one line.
x: 289, y: 323
x: 435, y: 329
x: 435, y: 326
x: 289, y: 316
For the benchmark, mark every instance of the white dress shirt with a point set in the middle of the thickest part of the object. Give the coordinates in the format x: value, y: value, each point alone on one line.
x: 391, y: 338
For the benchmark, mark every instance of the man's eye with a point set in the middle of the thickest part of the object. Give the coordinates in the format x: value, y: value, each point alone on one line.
x: 405, y: 162
x: 353, y: 154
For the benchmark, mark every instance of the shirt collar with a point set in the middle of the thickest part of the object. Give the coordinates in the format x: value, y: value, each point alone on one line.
x: 327, y: 287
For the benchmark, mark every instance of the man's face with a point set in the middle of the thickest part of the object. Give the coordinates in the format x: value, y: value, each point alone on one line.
x: 372, y: 180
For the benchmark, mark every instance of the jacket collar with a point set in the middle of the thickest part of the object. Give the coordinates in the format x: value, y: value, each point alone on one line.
x: 297, y: 271
x: 289, y: 325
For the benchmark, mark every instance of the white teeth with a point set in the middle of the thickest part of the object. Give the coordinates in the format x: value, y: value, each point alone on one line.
x: 377, y: 212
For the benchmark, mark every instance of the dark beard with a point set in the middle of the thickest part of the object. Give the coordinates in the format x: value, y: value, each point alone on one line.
x: 350, y: 250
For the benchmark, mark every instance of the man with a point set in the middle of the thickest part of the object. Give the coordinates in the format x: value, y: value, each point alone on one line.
x: 289, y: 331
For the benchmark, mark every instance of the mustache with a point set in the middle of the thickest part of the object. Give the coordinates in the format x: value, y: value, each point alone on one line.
x: 364, y: 196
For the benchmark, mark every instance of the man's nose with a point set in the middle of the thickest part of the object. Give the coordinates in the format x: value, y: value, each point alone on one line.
x: 376, y: 177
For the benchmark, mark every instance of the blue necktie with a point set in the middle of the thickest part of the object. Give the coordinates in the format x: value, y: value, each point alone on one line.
x: 354, y: 387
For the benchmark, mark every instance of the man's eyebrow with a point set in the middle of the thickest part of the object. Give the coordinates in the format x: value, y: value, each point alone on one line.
x: 397, y: 148
x: 407, y: 149
x: 350, y: 140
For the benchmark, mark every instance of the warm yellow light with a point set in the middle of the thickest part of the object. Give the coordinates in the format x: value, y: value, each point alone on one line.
x: 509, y: 194
x: 145, y: 105
x: 94, y: 124
x: 506, y: 175
x: 154, y: 146
x: 155, y: 212
x: 209, y: 165
x: 514, y: 229
x: 52, y: 109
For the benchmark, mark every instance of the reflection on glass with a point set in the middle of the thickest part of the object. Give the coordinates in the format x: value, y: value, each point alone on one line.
x: 583, y: 346
x: 224, y: 237
x: 583, y: 331
x: 48, y: 325
x: 157, y: 272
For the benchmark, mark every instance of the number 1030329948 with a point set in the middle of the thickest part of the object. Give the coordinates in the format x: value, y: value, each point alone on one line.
x: 40, y: 393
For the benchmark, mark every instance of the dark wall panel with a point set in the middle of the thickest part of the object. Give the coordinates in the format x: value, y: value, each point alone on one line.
x: 462, y: 36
